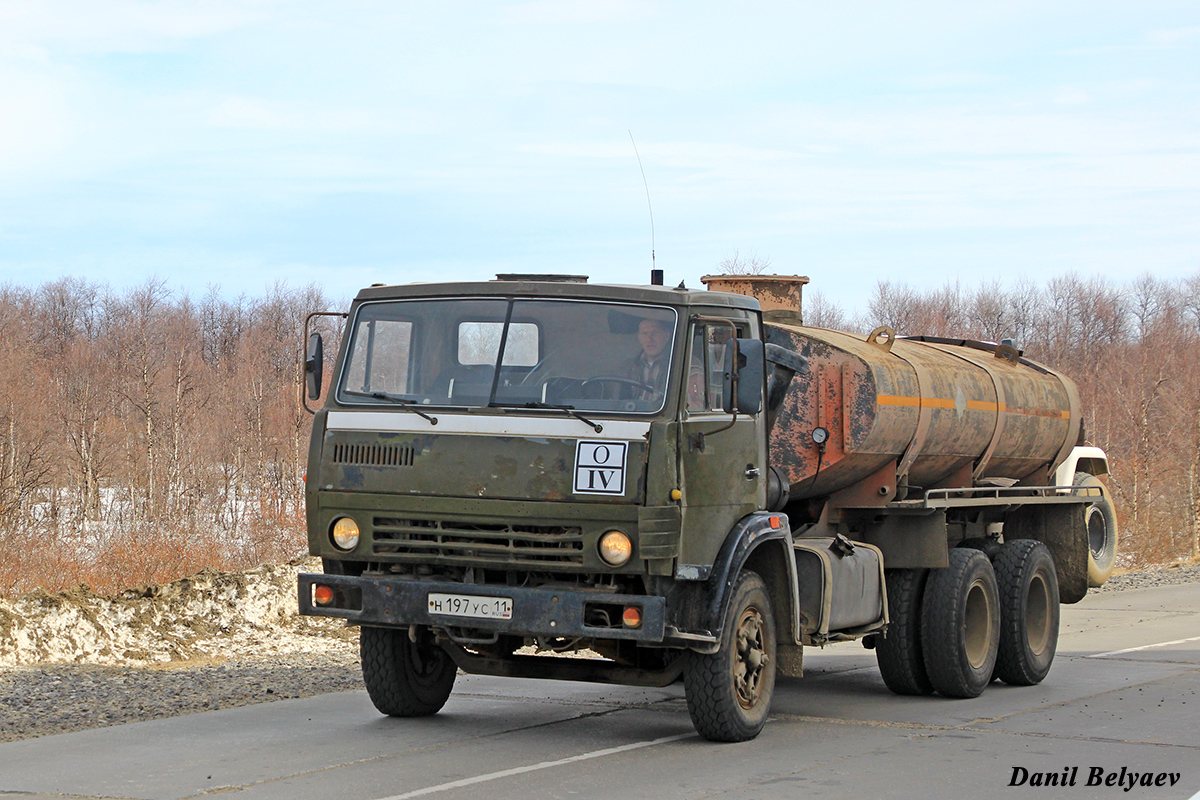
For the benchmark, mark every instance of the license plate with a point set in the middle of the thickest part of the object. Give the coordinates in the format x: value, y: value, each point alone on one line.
x: 473, y: 606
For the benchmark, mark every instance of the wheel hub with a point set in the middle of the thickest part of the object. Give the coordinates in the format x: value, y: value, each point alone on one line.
x: 751, y: 659
x: 977, y: 622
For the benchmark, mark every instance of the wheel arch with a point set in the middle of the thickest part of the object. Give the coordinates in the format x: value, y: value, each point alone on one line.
x: 1091, y: 460
x: 757, y: 543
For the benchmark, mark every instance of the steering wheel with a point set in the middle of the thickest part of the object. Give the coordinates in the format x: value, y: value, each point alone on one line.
x: 533, y: 370
x: 618, y: 381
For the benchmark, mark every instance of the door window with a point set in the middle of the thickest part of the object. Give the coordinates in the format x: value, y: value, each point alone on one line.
x: 706, y: 366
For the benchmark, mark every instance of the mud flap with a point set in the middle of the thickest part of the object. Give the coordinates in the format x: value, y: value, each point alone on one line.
x: 1063, y: 529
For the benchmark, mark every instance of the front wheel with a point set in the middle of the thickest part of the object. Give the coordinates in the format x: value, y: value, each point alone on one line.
x: 405, y: 678
x: 729, y: 691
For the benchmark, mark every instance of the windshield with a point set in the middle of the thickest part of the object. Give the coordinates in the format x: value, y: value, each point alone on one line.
x: 585, y: 356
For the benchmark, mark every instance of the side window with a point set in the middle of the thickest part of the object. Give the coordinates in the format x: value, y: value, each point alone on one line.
x: 706, y: 366
x: 697, y: 380
x: 479, y: 342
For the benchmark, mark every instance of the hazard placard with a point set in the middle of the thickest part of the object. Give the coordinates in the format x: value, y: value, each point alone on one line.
x: 600, y: 467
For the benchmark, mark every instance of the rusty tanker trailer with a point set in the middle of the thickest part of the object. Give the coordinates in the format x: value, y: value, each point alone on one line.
x: 930, y: 451
x: 905, y: 415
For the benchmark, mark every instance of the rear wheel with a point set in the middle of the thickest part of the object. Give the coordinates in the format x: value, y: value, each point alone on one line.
x: 729, y: 691
x: 899, y: 650
x: 1029, y: 612
x: 1101, y: 523
x: 960, y: 624
x: 405, y: 678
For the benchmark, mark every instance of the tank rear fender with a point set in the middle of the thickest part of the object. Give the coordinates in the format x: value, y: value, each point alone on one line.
x: 1091, y: 460
x: 1063, y: 529
x: 1092, y: 466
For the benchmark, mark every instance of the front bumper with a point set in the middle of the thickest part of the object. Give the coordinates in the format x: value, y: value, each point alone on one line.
x: 392, y: 602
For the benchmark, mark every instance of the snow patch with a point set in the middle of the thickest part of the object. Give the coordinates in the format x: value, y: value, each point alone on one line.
x: 207, y: 615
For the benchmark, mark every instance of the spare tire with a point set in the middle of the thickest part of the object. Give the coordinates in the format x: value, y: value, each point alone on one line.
x: 1101, y: 523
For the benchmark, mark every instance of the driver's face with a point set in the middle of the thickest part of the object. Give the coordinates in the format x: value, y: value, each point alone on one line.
x: 653, y: 337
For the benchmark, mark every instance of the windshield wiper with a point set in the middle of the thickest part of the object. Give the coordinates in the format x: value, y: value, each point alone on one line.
x: 403, y: 402
x: 596, y: 426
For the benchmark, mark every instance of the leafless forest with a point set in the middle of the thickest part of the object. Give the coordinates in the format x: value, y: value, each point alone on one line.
x: 146, y: 434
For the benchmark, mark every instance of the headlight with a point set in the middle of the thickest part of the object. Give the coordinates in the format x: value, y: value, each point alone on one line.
x: 615, y: 548
x: 345, y: 533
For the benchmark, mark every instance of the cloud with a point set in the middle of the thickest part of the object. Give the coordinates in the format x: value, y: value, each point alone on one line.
x: 86, y: 26
x: 579, y: 12
x: 256, y: 113
x: 36, y: 123
x: 1174, y: 36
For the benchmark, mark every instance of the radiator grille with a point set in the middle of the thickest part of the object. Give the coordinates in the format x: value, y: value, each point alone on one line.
x: 464, y: 542
x: 373, y: 455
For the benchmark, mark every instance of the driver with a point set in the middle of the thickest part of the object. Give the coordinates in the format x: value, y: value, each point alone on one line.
x: 650, y: 365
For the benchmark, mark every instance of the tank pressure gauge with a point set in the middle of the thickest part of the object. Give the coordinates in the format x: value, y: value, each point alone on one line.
x: 820, y: 436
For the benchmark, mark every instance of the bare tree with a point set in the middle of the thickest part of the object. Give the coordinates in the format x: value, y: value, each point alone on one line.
x: 737, y: 264
x: 820, y: 312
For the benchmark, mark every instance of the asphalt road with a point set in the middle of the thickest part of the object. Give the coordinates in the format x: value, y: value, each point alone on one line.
x: 835, y: 733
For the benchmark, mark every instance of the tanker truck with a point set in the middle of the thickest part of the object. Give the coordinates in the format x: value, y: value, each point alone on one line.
x: 687, y: 485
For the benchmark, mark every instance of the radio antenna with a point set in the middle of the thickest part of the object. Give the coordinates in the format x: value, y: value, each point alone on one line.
x: 647, y: 185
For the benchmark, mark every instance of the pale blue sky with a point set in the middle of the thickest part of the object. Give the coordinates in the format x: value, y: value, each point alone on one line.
x: 241, y: 142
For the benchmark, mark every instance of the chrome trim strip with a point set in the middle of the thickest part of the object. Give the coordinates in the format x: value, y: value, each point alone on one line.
x: 540, y: 427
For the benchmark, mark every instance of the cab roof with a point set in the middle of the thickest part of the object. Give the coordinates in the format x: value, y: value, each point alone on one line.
x: 658, y: 295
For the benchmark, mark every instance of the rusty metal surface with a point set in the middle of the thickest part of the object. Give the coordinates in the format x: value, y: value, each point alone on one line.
x: 873, y: 403
x: 773, y: 292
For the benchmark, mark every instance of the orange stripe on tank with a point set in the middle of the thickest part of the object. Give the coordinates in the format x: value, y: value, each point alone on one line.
x: 914, y: 402
x: 973, y: 405
x: 897, y: 400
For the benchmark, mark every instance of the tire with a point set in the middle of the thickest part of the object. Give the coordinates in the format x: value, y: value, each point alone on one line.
x: 1101, y: 523
x: 1029, y: 612
x: 899, y: 650
x: 405, y: 678
x: 960, y: 624
x: 987, y: 545
x: 729, y: 691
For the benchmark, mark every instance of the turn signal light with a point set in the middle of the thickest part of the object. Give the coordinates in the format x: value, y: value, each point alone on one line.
x: 632, y: 617
x: 322, y: 595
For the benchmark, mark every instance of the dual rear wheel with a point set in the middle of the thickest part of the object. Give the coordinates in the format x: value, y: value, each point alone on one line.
x: 953, y: 630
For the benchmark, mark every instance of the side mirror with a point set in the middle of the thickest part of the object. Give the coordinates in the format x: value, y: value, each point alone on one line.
x: 314, y: 366
x: 749, y: 371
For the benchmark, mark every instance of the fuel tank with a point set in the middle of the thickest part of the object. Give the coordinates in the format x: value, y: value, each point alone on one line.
x: 944, y: 412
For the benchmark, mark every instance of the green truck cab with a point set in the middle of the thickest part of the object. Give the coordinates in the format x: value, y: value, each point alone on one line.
x: 555, y: 464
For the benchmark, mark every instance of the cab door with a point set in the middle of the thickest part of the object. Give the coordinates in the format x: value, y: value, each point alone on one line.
x: 722, y: 459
